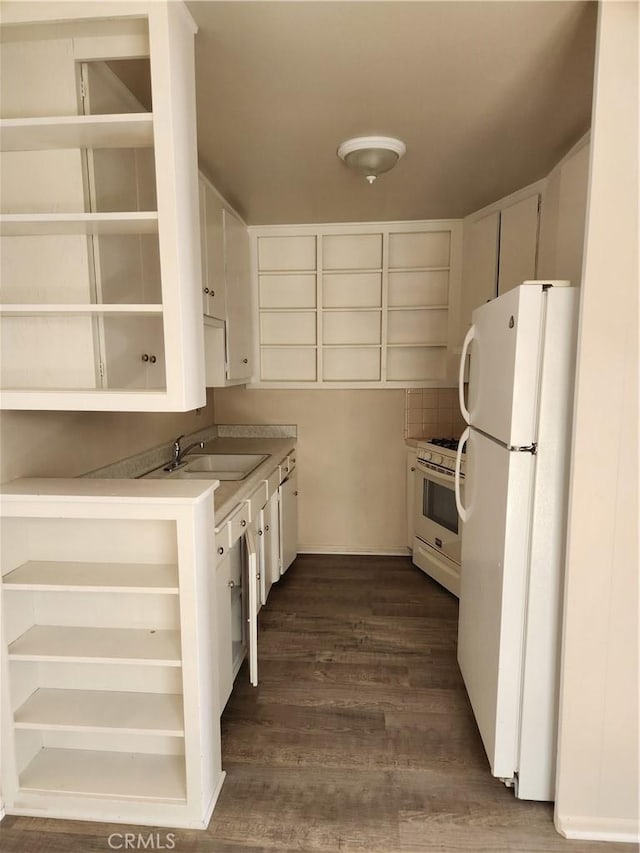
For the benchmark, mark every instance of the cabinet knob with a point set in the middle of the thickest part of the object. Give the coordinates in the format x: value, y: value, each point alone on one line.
x: 232, y: 584
x: 259, y: 532
x: 221, y: 550
x: 212, y: 293
x: 206, y: 290
x: 152, y: 359
x: 258, y: 576
x: 413, y: 469
x: 145, y: 356
x: 296, y: 494
x: 266, y: 527
x: 243, y: 523
x: 245, y: 361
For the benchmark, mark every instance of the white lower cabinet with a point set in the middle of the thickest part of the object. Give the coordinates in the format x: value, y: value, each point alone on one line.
x: 412, y: 455
x: 110, y: 707
x: 288, y: 520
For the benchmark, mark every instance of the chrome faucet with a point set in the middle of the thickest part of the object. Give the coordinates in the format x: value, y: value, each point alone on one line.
x: 178, y: 452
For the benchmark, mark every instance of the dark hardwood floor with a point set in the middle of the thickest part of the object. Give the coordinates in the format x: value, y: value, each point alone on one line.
x: 359, y: 737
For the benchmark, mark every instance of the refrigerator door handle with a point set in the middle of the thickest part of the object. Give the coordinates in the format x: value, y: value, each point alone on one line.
x: 465, y: 349
x: 462, y: 511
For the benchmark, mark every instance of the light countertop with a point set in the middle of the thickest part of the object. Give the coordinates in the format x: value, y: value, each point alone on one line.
x: 274, y: 440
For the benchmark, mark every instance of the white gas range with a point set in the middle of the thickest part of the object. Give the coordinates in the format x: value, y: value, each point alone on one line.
x: 438, y: 533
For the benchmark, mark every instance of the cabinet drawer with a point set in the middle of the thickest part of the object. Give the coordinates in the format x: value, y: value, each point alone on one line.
x: 257, y: 500
x: 287, y: 465
x: 272, y: 482
x: 237, y: 523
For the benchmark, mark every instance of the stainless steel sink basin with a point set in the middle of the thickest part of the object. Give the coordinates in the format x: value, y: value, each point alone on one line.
x: 224, y: 466
x: 212, y: 466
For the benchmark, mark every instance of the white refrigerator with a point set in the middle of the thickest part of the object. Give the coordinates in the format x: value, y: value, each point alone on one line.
x: 520, y: 399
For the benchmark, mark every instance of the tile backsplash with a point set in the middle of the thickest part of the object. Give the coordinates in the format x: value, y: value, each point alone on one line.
x: 432, y: 413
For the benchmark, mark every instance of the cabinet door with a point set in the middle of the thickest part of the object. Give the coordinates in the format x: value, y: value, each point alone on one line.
x: 288, y: 521
x: 251, y: 584
x: 480, y: 271
x: 213, y: 239
x: 272, y: 513
x: 269, y: 562
x: 518, y: 243
x: 223, y: 630
x: 238, y: 297
x: 411, y: 498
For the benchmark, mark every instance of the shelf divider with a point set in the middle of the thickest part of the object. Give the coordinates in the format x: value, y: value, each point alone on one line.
x: 127, y: 130
x: 50, y: 576
x: 97, y: 645
x: 49, y: 709
x: 42, y: 224
x: 137, y: 776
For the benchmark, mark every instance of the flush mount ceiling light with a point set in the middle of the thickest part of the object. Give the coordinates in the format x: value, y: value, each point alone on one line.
x: 371, y: 155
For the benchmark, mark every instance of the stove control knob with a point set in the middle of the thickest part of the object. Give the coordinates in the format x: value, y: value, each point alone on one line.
x: 437, y: 459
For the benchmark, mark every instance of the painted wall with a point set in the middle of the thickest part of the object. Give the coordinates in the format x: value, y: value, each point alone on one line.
x: 351, y: 461
x: 65, y: 444
x: 598, y: 750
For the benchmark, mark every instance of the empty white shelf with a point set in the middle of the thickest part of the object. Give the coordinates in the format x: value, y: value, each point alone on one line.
x: 34, y: 224
x: 97, y: 577
x: 106, y: 645
x: 102, y: 710
x: 133, y: 130
x: 110, y: 774
x: 28, y: 309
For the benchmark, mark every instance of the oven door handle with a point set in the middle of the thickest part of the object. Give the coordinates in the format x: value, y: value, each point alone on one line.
x: 462, y: 511
x: 441, y: 477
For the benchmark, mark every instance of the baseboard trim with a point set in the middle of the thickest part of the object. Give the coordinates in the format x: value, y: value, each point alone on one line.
x: 622, y: 830
x: 354, y: 552
x: 214, y: 799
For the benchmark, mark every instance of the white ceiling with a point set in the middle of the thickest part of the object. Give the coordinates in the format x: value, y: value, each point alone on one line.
x: 487, y: 96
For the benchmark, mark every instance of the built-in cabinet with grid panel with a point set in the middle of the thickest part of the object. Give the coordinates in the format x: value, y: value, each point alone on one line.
x: 356, y: 305
x: 99, y: 224
x: 110, y: 705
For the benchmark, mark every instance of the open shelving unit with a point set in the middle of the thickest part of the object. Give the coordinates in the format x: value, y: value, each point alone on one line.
x: 111, y: 687
x: 363, y: 305
x: 99, y: 211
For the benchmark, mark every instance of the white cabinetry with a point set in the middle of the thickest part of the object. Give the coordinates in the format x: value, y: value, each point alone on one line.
x: 231, y: 618
x: 226, y: 291
x: 412, y: 455
x: 562, y: 225
x: 99, y: 220
x: 288, y: 520
x: 519, y: 225
x: 236, y: 573
x: 500, y: 250
x: 356, y: 305
x: 110, y: 708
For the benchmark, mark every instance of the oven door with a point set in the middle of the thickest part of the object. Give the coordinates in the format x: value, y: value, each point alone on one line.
x: 437, y: 522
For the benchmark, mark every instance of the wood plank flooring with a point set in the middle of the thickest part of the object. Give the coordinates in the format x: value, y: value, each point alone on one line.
x: 359, y: 737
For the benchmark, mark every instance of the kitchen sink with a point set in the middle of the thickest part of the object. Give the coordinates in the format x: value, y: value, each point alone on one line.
x: 212, y: 466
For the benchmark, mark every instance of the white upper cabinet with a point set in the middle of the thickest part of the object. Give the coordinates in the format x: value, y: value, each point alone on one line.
x: 238, y: 297
x: 562, y: 225
x: 100, y: 295
x: 359, y: 305
x: 480, y: 262
x: 227, y: 301
x: 500, y: 250
x: 519, y: 225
